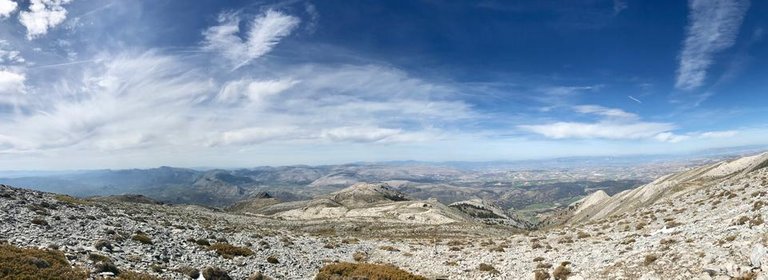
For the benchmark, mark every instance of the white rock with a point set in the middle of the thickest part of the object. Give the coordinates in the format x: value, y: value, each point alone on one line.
x: 758, y: 252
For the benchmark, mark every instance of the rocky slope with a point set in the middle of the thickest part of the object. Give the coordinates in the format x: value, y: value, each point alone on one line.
x: 368, y: 202
x: 598, y: 205
x: 704, y: 223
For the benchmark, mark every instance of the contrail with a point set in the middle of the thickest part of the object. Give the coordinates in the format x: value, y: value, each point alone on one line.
x: 64, y: 64
x: 635, y: 99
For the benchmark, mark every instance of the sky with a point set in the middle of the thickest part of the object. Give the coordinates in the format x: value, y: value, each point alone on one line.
x: 90, y: 84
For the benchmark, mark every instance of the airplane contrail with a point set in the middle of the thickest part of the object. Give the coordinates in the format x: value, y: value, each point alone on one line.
x: 635, y: 99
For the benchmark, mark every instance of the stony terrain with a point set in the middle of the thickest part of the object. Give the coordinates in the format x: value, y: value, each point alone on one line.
x: 705, y: 223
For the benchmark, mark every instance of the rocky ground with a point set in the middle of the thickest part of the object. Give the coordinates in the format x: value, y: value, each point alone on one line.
x: 714, y: 231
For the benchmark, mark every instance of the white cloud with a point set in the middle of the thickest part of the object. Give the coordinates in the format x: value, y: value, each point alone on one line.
x: 604, y: 111
x: 617, y: 124
x: 9, y: 56
x: 122, y: 101
x: 255, y: 91
x: 11, y: 86
x: 719, y: 134
x: 713, y: 27
x: 254, y: 135
x: 7, y: 7
x: 606, y: 130
x: 671, y: 137
x: 265, y: 32
x: 360, y: 134
x: 144, y: 102
x: 43, y: 15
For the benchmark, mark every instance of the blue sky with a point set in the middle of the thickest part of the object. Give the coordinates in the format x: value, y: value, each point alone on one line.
x: 117, y: 84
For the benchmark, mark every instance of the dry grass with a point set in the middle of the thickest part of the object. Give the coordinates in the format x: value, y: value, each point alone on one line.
x: 23, y: 264
x: 364, y: 271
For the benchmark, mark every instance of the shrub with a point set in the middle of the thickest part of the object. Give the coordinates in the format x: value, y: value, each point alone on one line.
x: 364, y: 271
x: 538, y: 259
x: 582, y: 235
x: 214, y: 273
x: 157, y: 268
x: 18, y: 263
x: 672, y: 224
x: 350, y: 241
x: 497, y: 249
x: 272, y: 260
x: 640, y: 225
x: 544, y: 265
x: 40, y: 222
x: 225, y: 249
x: 130, y: 275
x: 667, y: 241
x: 628, y: 241
x: 540, y: 274
x: 189, y: 271
x: 649, y: 259
x: 758, y: 205
x: 70, y: 200
x: 487, y: 268
x: 259, y: 276
x: 203, y: 242
x: 142, y: 238
x: 756, y: 221
x: 561, y: 272
x: 97, y: 258
x: 101, y: 244
x: 389, y: 248
x: 360, y: 256
x: 106, y: 266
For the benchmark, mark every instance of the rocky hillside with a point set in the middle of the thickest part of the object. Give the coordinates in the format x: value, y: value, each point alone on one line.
x: 362, y: 202
x: 599, y: 205
x: 704, y: 223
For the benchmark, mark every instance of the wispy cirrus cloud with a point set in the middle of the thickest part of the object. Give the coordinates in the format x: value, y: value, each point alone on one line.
x: 713, y: 27
x: 264, y: 32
